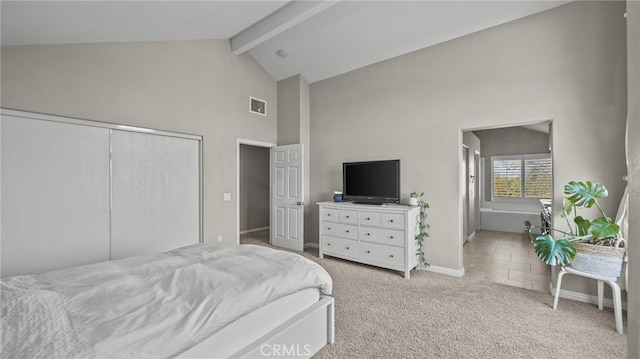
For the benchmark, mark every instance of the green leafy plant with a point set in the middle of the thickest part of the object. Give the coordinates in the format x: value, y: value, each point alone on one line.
x: 422, y: 227
x: 550, y: 251
x: 600, y: 230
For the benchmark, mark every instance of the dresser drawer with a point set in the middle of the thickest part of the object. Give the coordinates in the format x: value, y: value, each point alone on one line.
x: 340, y: 246
x: 381, y: 254
x: 330, y: 215
x: 369, y: 218
x: 349, y: 217
x: 392, y: 220
x: 339, y: 230
x: 383, y: 236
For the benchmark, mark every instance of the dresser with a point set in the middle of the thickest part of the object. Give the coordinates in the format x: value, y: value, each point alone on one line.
x: 378, y: 235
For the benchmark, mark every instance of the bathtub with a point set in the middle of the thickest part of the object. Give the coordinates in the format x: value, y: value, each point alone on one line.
x: 508, y: 217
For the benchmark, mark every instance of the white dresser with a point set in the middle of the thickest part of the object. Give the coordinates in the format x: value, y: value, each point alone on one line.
x: 379, y: 235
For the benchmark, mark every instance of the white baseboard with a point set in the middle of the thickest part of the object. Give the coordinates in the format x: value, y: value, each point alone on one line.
x: 473, y: 234
x: 444, y: 270
x: 582, y: 297
x: 254, y: 230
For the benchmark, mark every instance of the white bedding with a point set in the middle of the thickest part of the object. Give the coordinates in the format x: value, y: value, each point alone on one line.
x: 150, y: 306
x: 244, y: 331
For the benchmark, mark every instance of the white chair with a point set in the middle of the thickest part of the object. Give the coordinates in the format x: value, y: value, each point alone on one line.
x: 622, y: 220
x: 612, y: 281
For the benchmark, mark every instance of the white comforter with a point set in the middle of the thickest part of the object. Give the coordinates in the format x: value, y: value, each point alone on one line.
x: 149, y: 306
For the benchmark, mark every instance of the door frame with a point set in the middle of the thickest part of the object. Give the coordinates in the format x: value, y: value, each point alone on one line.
x: 465, y: 193
x: 477, y: 183
x: 239, y: 142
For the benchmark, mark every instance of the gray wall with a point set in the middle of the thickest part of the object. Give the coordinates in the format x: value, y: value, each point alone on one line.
x: 633, y: 290
x: 508, y: 141
x: 293, y: 127
x: 196, y: 87
x: 567, y: 64
x: 254, y: 187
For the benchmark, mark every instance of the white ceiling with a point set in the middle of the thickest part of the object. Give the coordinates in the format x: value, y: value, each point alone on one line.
x: 321, y: 39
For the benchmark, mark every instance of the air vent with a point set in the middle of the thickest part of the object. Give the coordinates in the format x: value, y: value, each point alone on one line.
x: 257, y: 106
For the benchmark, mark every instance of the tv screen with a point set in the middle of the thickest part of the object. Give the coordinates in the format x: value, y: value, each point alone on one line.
x: 371, y: 182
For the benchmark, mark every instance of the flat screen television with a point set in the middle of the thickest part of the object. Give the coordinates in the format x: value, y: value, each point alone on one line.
x: 371, y: 182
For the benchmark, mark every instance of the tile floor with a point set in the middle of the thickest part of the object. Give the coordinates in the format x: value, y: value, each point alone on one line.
x: 506, y: 258
x: 500, y: 257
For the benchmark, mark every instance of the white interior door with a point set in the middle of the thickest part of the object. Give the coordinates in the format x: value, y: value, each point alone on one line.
x: 287, y: 194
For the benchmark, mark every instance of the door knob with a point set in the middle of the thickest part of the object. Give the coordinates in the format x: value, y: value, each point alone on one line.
x: 301, y: 204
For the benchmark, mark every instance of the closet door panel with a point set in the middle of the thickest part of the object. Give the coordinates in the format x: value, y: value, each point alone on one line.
x: 155, y: 193
x: 55, y: 195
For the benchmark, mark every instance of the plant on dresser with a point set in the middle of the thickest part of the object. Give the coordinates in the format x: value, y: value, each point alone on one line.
x: 422, y: 227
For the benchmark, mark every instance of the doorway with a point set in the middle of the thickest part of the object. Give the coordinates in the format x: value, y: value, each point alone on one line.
x: 270, y: 193
x: 253, y: 189
x: 494, y: 219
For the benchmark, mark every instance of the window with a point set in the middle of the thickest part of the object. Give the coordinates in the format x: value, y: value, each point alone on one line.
x: 521, y: 176
x: 537, y: 178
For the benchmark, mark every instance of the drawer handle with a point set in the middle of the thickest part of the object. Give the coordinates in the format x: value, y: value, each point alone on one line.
x: 328, y: 228
x: 391, y: 256
x: 368, y: 219
x: 391, y: 220
x: 368, y: 234
x: 368, y: 251
x: 347, y: 231
x: 346, y: 216
x: 328, y: 214
x: 390, y: 237
x: 328, y: 244
x: 347, y: 247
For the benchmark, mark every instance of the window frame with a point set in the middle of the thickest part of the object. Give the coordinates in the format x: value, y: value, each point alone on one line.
x: 523, y: 158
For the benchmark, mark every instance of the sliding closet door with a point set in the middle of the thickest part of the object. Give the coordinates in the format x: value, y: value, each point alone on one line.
x: 55, y: 195
x: 155, y: 193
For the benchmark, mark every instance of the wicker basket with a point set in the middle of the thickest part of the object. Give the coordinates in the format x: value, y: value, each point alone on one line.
x: 596, y: 259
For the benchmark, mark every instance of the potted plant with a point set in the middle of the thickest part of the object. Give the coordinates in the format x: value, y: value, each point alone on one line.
x: 590, y: 245
x: 422, y: 226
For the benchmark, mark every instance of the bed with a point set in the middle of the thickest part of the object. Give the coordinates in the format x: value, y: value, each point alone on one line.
x: 204, y: 300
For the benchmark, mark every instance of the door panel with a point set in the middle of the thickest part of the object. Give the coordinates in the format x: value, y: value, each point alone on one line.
x: 293, y: 223
x: 287, y: 213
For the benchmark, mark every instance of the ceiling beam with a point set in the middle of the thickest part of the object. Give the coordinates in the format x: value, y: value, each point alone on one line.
x: 285, y: 18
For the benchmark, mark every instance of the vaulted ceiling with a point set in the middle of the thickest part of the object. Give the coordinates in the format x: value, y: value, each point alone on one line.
x: 317, y: 39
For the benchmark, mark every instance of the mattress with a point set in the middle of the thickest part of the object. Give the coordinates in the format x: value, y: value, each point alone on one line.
x: 153, y: 306
x: 252, y: 326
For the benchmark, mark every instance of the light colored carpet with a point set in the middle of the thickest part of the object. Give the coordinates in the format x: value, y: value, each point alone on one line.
x: 379, y: 314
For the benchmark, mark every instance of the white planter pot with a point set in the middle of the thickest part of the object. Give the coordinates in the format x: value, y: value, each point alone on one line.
x: 600, y: 260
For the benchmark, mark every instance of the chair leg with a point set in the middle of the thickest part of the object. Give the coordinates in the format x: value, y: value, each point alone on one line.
x: 558, y: 285
x: 600, y: 294
x: 617, y: 305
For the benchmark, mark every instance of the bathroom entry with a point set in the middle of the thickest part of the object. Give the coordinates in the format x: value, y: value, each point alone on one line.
x: 514, y: 155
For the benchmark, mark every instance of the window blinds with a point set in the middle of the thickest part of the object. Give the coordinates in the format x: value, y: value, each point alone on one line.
x: 521, y: 176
